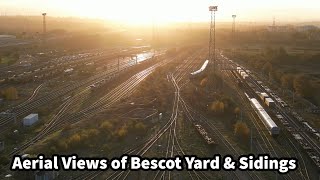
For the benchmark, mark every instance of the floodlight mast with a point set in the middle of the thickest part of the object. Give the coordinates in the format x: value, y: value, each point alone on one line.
x: 212, y: 41
x: 212, y: 44
x: 44, y: 25
x: 234, y: 23
x: 234, y: 32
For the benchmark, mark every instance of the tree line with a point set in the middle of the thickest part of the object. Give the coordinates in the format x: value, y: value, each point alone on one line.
x: 291, y: 71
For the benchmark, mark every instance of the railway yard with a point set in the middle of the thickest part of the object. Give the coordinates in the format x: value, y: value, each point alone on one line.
x: 154, y: 103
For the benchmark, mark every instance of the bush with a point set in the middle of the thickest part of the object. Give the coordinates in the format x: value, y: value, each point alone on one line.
x: 106, y: 126
x: 61, y: 146
x: 10, y: 93
x: 217, y: 107
x: 74, y: 140
x: 122, y: 132
x: 242, y: 131
x: 140, y: 128
x: 237, y: 111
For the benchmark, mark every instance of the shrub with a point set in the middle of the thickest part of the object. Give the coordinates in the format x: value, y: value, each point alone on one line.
x: 242, y: 131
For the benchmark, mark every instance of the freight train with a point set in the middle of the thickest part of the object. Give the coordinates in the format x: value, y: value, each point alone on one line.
x: 205, y: 135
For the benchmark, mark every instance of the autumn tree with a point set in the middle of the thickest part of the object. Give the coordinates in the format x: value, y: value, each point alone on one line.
x: 217, y: 106
x: 302, y: 86
x: 74, y: 140
x: 122, y: 132
x: 11, y: 93
x: 287, y: 81
x: 237, y: 111
x: 267, y: 67
x: 242, y: 131
x: 140, y: 128
x: 204, y: 82
x: 106, y: 126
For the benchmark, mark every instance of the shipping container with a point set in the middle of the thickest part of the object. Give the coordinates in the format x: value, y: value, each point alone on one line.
x: 269, y: 102
x: 263, y: 96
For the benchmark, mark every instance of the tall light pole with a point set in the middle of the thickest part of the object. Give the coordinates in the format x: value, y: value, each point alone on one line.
x: 234, y: 23
x: 44, y: 25
x: 212, y: 41
x: 234, y: 31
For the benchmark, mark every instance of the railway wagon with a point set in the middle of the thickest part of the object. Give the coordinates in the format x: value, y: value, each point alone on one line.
x: 269, y: 102
x: 242, y: 73
x: 201, y: 70
x: 205, y: 135
x: 263, y: 96
x: 271, y: 126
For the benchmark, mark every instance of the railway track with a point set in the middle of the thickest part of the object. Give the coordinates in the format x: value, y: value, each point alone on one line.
x: 61, y: 118
x: 54, y: 121
x: 169, y: 127
x: 303, y: 175
x: 191, y: 114
x: 34, y: 94
x: 172, y: 142
x: 263, y: 141
x: 146, y: 146
x: 32, y: 104
x: 303, y: 172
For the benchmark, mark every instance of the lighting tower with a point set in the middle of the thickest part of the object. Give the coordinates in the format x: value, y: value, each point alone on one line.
x: 212, y: 43
x: 274, y: 24
x: 44, y: 24
x: 234, y: 30
x: 234, y: 23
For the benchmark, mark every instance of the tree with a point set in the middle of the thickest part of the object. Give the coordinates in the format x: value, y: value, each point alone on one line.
x: 62, y: 145
x: 237, y: 111
x: 123, y: 131
x: 302, y: 86
x: 217, y: 106
x: 287, y: 81
x: 204, y: 82
x: 107, y: 126
x: 140, y: 128
x: 242, y: 131
x: 267, y: 67
x: 11, y: 93
x: 74, y: 140
x: 221, y: 106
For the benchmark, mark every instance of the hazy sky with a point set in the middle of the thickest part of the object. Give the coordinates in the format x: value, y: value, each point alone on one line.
x: 143, y: 11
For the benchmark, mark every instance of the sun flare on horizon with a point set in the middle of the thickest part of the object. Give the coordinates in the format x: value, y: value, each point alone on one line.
x: 135, y: 12
x: 164, y: 11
